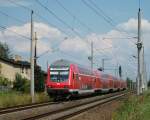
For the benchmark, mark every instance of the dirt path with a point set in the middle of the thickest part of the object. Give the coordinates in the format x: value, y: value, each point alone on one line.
x: 101, y: 112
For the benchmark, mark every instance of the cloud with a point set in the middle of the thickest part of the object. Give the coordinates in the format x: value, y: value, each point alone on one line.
x: 114, y: 44
x: 132, y: 25
x: 75, y: 45
x: 45, y: 34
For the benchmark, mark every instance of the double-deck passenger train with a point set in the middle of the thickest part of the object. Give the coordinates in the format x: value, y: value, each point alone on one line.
x: 66, y: 79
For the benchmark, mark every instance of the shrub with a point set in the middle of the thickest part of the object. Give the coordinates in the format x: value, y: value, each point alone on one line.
x: 13, y: 98
x: 21, y: 84
x: 4, y: 81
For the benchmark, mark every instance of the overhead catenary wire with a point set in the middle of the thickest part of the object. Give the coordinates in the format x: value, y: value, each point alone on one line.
x: 41, y: 17
x: 104, y: 17
x: 59, y: 19
x: 5, y: 28
x: 20, y: 5
x: 103, y: 13
x: 12, y: 17
x: 82, y: 23
x: 37, y: 14
x: 75, y: 17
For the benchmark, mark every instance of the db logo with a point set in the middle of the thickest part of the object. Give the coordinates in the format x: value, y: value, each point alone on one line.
x: 58, y: 83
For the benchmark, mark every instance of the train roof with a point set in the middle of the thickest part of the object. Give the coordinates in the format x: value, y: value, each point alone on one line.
x: 66, y: 63
x: 62, y: 63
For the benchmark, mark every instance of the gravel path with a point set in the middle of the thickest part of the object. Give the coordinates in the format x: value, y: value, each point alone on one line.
x: 101, y: 112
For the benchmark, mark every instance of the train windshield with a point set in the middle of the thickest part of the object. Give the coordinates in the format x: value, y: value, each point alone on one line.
x: 59, y: 75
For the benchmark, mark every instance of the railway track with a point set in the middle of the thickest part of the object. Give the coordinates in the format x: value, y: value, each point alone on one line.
x: 67, y: 112
x: 23, y: 107
x: 55, y: 111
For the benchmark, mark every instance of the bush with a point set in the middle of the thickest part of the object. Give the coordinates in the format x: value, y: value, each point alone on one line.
x: 13, y: 98
x: 4, y: 81
x: 21, y: 84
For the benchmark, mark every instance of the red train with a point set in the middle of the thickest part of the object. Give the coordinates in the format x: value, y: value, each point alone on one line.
x: 65, y: 79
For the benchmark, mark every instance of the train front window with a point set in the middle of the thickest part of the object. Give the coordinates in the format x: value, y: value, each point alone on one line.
x: 59, y: 75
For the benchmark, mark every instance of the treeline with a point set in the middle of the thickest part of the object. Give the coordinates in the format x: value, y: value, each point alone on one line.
x: 5, y: 51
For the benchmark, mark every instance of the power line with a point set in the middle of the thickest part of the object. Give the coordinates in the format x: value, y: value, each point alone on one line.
x: 20, y: 5
x: 58, y: 18
x: 37, y: 14
x: 43, y: 18
x: 108, y: 17
x: 100, y: 15
x: 5, y: 14
x: 104, y: 17
x: 82, y: 23
x: 60, y: 4
x: 5, y: 28
x: 104, y: 14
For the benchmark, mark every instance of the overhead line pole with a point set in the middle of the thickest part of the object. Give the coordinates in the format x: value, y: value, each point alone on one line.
x: 32, y: 59
x: 103, y: 64
x: 144, y: 71
x: 92, y: 55
x: 139, y: 47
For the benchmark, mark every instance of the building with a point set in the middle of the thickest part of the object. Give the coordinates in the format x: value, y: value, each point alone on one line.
x: 9, y: 68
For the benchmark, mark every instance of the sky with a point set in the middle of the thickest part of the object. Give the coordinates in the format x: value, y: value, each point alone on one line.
x: 65, y: 29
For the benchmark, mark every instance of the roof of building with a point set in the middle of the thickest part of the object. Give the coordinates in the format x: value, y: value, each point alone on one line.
x: 17, y: 63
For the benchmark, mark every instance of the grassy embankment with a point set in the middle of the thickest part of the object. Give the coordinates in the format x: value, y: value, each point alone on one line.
x: 135, y: 108
x: 8, y: 99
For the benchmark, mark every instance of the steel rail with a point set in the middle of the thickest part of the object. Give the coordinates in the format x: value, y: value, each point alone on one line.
x: 23, y: 107
x: 66, y: 112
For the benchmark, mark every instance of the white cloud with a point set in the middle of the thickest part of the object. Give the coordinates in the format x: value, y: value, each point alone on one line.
x: 108, y: 45
x: 75, y: 44
x: 131, y: 25
x: 45, y: 35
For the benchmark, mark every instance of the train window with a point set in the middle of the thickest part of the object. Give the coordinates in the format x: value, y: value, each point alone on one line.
x: 77, y: 77
x: 73, y: 75
x: 59, y: 75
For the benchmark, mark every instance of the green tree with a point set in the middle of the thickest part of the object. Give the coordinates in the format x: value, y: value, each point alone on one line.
x: 5, y: 51
x: 4, y: 81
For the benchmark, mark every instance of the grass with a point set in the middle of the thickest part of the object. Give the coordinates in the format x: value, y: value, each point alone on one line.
x: 13, y: 98
x: 135, y: 108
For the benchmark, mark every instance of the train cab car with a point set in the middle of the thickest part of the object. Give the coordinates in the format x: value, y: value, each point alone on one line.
x: 66, y: 78
x: 58, y: 79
